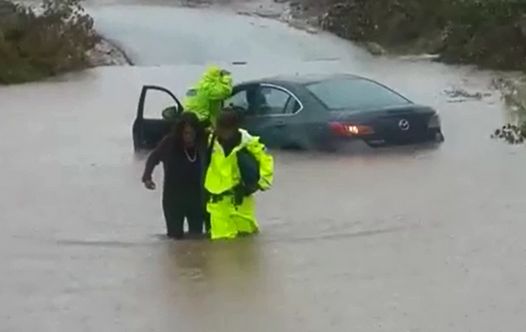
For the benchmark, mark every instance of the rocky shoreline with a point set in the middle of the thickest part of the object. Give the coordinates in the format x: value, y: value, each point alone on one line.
x: 107, y: 53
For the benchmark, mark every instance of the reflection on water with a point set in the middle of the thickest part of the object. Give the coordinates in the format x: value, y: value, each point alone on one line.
x: 220, y: 263
x: 395, y: 239
x: 221, y: 281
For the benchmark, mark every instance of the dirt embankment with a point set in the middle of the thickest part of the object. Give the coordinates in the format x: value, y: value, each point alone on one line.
x: 489, y: 33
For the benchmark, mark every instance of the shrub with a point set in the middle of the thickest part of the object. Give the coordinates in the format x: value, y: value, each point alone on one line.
x: 34, y: 46
x: 491, y: 33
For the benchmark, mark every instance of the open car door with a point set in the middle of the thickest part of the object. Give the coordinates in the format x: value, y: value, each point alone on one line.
x: 149, y: 130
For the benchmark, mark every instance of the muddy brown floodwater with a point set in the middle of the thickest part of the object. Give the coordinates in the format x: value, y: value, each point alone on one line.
x: 398, y: 239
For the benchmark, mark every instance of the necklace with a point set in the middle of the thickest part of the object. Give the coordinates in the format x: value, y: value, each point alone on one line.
x: 190, y: 158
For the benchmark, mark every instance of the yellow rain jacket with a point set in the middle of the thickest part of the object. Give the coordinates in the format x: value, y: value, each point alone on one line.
x: 226, y: 219
x: 206, y: 97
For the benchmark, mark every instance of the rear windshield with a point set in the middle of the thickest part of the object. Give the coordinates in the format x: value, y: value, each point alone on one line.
x: 354, y: 94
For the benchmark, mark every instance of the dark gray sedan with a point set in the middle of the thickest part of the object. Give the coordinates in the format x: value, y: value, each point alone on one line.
x: 316, y: 112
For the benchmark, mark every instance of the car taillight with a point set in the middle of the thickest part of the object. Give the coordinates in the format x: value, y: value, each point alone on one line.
x: 349, y: 129
x: 434, y: 121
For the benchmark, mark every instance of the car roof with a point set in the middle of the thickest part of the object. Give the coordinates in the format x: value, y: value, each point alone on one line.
x: 302, y: 79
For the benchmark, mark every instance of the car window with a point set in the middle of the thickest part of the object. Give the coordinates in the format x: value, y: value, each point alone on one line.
x: 157, y: 103
x: 263, y: 100
x: 293, y: 106
x: 269, y: 100
x: 238, y: 101
x: 354, y: 94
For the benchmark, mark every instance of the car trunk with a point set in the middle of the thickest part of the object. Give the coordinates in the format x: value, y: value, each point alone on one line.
x: 398, y: 123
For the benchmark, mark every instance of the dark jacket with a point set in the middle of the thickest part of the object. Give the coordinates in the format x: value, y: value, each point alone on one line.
x: 178, y: 170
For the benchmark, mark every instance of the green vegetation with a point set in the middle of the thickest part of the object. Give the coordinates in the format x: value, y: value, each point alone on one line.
x: 490, y: 33
x: 514, y: 95
x: 38, y: 45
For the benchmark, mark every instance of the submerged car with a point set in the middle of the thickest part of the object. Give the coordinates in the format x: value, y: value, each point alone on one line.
x: 313, y: 112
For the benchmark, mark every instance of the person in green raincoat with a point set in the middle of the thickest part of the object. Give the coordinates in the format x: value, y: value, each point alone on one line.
x: 239, y: 166
x: 205, y: 99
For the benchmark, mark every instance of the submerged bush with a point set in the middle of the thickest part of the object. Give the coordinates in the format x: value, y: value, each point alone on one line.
x: 514, y: 96
x: 37, y: 45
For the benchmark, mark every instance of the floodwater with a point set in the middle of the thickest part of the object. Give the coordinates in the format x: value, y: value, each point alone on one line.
x: 398, y: 239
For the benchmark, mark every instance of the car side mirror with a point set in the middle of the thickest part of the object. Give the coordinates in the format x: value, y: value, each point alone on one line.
x: 170, y: 113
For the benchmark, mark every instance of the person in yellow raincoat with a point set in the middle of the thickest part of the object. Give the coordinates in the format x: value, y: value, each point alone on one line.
x: 239, y: 166
x: 206, y: 98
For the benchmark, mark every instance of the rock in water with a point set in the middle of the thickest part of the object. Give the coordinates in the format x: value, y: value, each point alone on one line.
x: 375, y: 48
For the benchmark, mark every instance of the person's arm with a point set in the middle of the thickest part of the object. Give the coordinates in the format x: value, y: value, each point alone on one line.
x: 266, y: 164
x: 153, y: 160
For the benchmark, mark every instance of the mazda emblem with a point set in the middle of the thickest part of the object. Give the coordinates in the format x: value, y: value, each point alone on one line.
x: 404, y: 125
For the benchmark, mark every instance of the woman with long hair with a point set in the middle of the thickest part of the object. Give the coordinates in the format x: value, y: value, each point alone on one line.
x: 182, y: 156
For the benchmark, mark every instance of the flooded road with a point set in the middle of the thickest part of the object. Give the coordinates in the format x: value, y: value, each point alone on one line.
x: 401, y: 239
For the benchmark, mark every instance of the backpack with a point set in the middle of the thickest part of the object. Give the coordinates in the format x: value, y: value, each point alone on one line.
x: 248, y: 169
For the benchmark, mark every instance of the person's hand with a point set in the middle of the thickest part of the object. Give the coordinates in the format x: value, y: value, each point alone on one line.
x: 149, y: 184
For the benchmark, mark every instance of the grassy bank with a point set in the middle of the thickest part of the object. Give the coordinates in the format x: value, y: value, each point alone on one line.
x: 490, y: 33
x: 38, y: 45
